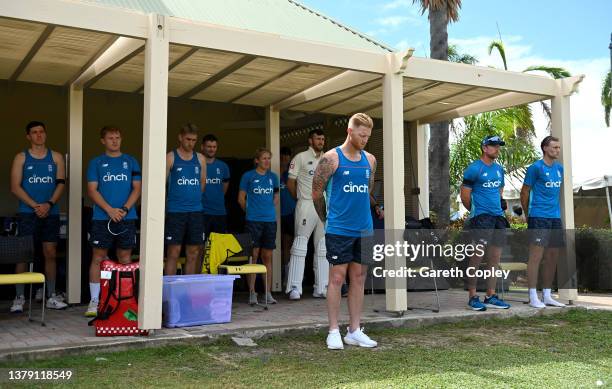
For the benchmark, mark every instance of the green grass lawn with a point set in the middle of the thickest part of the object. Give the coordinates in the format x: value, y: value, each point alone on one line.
x: 568, y: 350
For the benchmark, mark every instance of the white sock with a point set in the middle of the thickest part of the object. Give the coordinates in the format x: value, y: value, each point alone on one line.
x: 533, y: 294
x: 546, y: 293
x: 334, y: 331
x: 94, y: 291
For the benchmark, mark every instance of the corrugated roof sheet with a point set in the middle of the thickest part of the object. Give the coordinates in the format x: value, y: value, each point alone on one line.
x: 287, y: 18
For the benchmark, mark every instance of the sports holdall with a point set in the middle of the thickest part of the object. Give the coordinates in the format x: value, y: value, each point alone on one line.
x: 118, y: 306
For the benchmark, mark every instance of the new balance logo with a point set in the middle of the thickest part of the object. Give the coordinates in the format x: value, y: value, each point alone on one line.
x: 105, y: 165
x: 346, y: 172
x: 30, y: 168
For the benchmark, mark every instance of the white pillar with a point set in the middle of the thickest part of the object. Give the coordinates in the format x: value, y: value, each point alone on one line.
x: 273, y: 143
x: 153, y: 177
x: 423, y: 169
x: 566, y: 274
x: 74, y: 163
x: 395, y: 212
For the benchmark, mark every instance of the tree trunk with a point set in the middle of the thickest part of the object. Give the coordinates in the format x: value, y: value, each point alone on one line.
x: 439, y: 176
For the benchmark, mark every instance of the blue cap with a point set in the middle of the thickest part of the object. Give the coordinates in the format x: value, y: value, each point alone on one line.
x: 492, y: 140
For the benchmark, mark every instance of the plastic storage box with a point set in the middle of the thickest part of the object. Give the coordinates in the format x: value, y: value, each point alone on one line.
x: 191, y: 300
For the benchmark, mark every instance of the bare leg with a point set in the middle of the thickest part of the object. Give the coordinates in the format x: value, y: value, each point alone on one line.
x: 172, y: 253
x: 533, y: 266
x: 94, y: 269
x: 357, y: 275
x: 191, y: 258
x: 50, y: 254
x: 337, y: 275
x: 251, y: 277
x: 266, y: 257
x: 124, y: 256
x: 475, y: 263
x: 551, y: 256
x: 493, y: 257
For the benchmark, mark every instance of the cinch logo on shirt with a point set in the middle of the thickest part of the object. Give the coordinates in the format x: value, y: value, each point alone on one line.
x: 492, y: 184
x: 553, y: 184
x: 215, y: 180
x: 260, y: 190
x: 351, y: 188
x: 188, y: 181
x: 40, y: 180
x: 114, y: 177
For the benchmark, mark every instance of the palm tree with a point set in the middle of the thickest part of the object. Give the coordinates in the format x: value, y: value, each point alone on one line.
x: 455, y: 56
x: 606, y: 97
x: 440, y: 14
x: 554, y: 72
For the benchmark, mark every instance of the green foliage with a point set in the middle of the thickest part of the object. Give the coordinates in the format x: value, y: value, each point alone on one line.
x: 554, y: 72
x: 455, y: 56
x: 499, y: 46
x: 606, y: 97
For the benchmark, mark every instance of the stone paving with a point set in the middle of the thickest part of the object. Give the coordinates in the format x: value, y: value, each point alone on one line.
x: 67, y: 332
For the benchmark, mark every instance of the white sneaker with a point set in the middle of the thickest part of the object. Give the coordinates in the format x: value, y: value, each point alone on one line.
x: 55, y: 303
x: 536, y: 303
x: 552, y: 302
x: 334, y: 340
x: 253, y: 298
x: 39, y: 295
x: 317, y: 295
x: 270, y: 299
x: 294, y: 294
x: 359, y: 338
x: 17, y: 306
x: 92, y: 309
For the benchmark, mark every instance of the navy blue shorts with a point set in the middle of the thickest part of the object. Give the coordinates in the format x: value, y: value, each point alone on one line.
x: 184, y: 227
x: 42, y: 229
x: 488, y: 229
x: 101, y: 238
x: 214, y: 223
x: 345, y: 249
x: 263, y: 234
x: 546, y: 232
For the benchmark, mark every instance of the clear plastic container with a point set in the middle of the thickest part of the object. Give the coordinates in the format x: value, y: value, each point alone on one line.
x: 191, y: 300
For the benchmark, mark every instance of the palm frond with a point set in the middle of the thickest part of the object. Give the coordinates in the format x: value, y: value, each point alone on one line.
x: 452, y: 7
x: 554, y: 72
x: 455, y: 56
x: 499, y: 45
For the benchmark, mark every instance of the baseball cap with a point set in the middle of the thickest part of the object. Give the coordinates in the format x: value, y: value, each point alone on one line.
x: 492, y: 140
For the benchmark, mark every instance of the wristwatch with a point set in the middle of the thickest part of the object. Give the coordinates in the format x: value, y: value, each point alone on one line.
x: 51, y: 203
x: 125, y: 209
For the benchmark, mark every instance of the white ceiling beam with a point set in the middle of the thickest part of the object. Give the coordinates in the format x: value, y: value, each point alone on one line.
x: 504, y: 100
x: 341, y: 82
x: 217, y: 37
x: 469, y: 75
x: 117, y: 53
x: 80, y: 15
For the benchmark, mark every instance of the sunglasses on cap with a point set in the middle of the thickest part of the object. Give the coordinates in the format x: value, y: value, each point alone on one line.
x: 493, y: 140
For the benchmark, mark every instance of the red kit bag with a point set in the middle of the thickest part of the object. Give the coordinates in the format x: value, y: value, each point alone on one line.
x: 118, y: 306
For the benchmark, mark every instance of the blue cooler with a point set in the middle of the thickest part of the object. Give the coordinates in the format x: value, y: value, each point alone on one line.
x: 191, y: 300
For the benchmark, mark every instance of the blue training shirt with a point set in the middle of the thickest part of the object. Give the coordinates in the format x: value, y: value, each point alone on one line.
x: 38, y: 180
x: 545, y: 184
x: 184, y: 187
x: 287, y: 201
x: 213, y: 198
x: 485, y: 182
x: 348, y: 198
x: 114, y: 176
x: 259, y: 190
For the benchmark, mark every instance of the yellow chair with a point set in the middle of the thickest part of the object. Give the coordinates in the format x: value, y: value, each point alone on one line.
x: 238, y: 263
x: 20, y: 249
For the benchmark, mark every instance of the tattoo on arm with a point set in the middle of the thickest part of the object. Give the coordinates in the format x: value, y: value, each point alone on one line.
x: 373, y: 171
x: 324, y: 171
